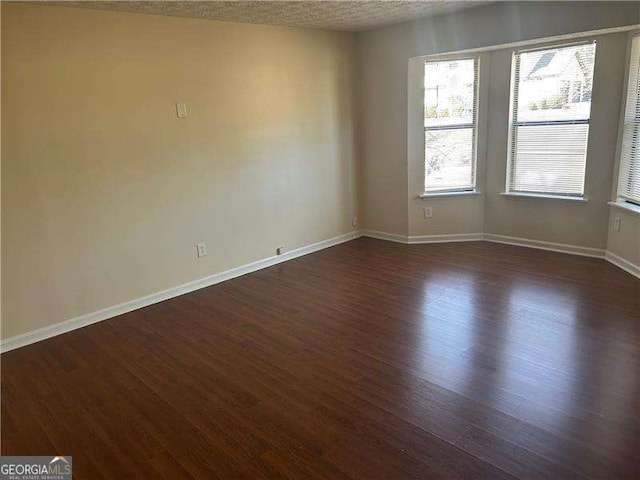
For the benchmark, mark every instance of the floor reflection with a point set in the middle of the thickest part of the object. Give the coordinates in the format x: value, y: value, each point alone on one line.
x: 447, y: 327
x: 502, y: 351
x: 523, y: 350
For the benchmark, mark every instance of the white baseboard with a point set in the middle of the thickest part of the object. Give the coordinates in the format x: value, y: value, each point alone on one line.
x: 391, y: 237
x: 43, y: 333
x: 541, y: 245
x: 454, y: 237
x: 521, y: 242
x: 394, y: 237
x: 489, y: 237
x: 625, y: 265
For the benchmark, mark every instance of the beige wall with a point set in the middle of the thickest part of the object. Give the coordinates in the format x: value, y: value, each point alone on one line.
x: 626, y: 242
x: 105, y: 192
x: 388, y: 195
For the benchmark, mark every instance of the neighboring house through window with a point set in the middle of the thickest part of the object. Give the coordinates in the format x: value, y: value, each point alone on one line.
x: 549, y: 127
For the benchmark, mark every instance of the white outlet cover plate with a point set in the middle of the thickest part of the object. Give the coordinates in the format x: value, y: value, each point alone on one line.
x: 181, y: 110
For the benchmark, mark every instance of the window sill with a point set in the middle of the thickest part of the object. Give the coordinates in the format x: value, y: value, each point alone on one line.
x: 469, y: 193
x: 546, y: 197
x: 627, y: 207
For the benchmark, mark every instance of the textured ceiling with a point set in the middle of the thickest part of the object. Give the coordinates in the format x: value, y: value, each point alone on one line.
x: 332, y: 15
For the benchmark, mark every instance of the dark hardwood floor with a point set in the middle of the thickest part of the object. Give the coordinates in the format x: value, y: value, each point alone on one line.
x: 368, y: 360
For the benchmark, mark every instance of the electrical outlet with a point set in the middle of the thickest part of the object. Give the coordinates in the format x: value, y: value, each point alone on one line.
x: 428, y: 212
x: 201, y: 249
x: 354, y: 221
x: 616, y: 223
x: 279, y: 250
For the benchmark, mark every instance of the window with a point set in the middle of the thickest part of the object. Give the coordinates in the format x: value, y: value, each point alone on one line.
x: 550, y: 111
x: 450, y: 119
x: 629, y: 182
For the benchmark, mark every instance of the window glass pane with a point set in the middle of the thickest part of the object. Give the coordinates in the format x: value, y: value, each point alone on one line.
x: 449, y: 92
x: 629, y: 184
x: 449, y: 159
x: 551, y: 107
x: 555, y: 84
x: 550, y: 159
x: 629, y: 180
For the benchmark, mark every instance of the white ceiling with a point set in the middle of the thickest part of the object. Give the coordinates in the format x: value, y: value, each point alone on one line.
x: 332, y: 15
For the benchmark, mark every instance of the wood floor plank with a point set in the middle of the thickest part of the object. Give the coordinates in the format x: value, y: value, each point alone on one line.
x: 368, y: 360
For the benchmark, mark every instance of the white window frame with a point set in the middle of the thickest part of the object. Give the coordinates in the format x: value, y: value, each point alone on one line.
x: 513, y: 124
x: 623, y: 201
x: 474, y: 125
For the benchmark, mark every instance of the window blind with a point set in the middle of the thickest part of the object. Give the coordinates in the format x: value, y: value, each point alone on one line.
x: 450, y: 118
x: 551, y: 107
x: 629, y: 183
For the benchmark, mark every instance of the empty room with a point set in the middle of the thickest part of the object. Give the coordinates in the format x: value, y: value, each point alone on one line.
x: 320, y: 240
